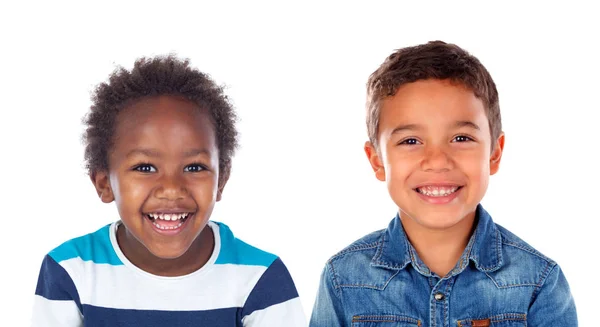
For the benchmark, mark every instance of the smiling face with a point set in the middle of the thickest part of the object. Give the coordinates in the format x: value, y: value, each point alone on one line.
x: 163, y: 175
x: 434, y: 152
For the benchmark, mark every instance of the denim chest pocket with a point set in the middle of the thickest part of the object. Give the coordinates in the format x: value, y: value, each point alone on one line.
x: 384, y: 321
x: 503, y: 320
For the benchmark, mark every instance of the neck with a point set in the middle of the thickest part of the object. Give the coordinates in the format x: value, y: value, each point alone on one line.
x: 439, y: 249
x: 193, y: 259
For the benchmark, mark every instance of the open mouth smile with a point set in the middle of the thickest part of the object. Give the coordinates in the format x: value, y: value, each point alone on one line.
x: 437, y: 191
x: 168, y: 221
x: 439, y: 194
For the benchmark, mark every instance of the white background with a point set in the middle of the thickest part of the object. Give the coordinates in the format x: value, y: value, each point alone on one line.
x: 301, y: 186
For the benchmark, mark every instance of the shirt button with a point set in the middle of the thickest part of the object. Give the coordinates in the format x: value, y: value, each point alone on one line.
x: 439, y: 296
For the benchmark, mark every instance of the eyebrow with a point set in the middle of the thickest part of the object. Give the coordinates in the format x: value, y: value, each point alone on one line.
x: 407, y: 127
x: 156, y: 154
x: 466, y: 123
x: 195, y: 152
x: 144, y: 152
x: 458, y: 124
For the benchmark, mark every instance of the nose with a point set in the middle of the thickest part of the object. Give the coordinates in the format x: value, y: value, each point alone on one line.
x: 171, y: 188
x: 436, y: 159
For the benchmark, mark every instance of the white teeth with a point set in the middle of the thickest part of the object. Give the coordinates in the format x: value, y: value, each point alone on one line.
x: 436, y: 191
x: 168, y: 217
x: 167, y: 227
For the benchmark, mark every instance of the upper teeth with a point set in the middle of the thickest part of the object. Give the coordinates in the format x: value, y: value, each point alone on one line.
x: 437, y: 190
x: 174, y: 216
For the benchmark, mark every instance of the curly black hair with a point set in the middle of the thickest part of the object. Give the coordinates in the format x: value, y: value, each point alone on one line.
x: 161, y: 75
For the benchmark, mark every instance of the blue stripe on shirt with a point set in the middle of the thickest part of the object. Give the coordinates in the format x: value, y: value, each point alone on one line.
x: 235, y: 251
x: 95, y: 247
x: 274, y: 286
x: 54, y: 283
x: 98, y: 316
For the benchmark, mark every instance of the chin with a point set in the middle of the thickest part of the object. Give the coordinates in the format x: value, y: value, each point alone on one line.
x: 168, y: 254
x: 434, y: 220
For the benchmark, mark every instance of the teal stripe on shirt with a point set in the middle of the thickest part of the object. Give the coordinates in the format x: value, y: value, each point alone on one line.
x: 95, y: 247
x: 235, y: 251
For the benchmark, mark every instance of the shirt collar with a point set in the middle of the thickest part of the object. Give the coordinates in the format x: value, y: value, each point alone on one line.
x: 484, y: 248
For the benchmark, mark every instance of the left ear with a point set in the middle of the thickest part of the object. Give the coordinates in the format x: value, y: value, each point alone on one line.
x: 223, y: 178
x: 497, y: 154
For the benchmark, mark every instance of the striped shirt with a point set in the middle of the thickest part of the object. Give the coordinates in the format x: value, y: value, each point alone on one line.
x: 87, y: 281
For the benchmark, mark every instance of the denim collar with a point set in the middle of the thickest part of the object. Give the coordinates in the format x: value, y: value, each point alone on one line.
x: 484, y: 248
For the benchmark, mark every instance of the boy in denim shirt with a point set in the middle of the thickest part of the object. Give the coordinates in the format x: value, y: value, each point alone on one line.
x: 435, y: 137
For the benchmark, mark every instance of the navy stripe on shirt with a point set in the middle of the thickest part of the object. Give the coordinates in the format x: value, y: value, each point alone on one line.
x: 55, y: 283
x: 99, y: 316
x: 264, y: 294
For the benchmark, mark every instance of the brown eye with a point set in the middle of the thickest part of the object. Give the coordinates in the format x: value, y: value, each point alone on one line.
x: 145, y: 168
x: 194, y: 168
x: 462, y: 138
x: 410, y: 141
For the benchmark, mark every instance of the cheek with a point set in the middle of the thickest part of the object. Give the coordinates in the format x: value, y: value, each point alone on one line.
x: 401, y: 163
x: 130, y: 193
x: 477, y: 167
x: 203, y: 187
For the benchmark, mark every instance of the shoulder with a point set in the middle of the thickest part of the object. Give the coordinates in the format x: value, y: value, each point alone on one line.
x: 364, y: 245
x: 523, y: 265
x: 358, y: 255
x: 237, y: 252
x: 514, y: 246
x: 95, y: 247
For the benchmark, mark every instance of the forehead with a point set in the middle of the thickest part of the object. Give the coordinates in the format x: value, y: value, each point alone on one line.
x: 432, y: 102
x: 167, y: 118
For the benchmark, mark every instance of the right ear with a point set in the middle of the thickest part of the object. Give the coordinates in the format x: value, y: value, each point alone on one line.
x: 375, y: 161
x: 101, y: 181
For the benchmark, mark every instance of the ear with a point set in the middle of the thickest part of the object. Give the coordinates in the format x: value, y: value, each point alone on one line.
x: 375, y: 161
x: 101, y: 181
x: 497, y: 154
x: 223, y: 178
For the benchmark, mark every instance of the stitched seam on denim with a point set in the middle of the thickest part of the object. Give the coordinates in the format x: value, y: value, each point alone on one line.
x: 541, y: 282
x: 498, y: 318
x: 384, y: 318
x: 377, y: 258
x: 447, y: 300
x: 390, y: 279
x: 411, y: 251
x: 498, y: 254
x: 360, y: 286
x: 354, y: 249
x: 379, y: 288
x: 334, y: 280
x: 379, y: 251
x: 509, y: 285
x: 499, y: 239
x: 432, y: 313
x: 529, y: 250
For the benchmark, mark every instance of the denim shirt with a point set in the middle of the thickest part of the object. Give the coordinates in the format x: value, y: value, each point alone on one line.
x: 499, y: 280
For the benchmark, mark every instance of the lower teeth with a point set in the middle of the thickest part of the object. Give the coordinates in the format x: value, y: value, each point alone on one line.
x: 153, y: 220
x: 167, y: 227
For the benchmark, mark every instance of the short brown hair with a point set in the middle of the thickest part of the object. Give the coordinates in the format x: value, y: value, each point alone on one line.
x: 437, y: 60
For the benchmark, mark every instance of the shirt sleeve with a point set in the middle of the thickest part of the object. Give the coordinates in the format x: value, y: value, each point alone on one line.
x: 274, y: 300
x: 553, y: 306
x: 56, y: 300
x: 328, y: 308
